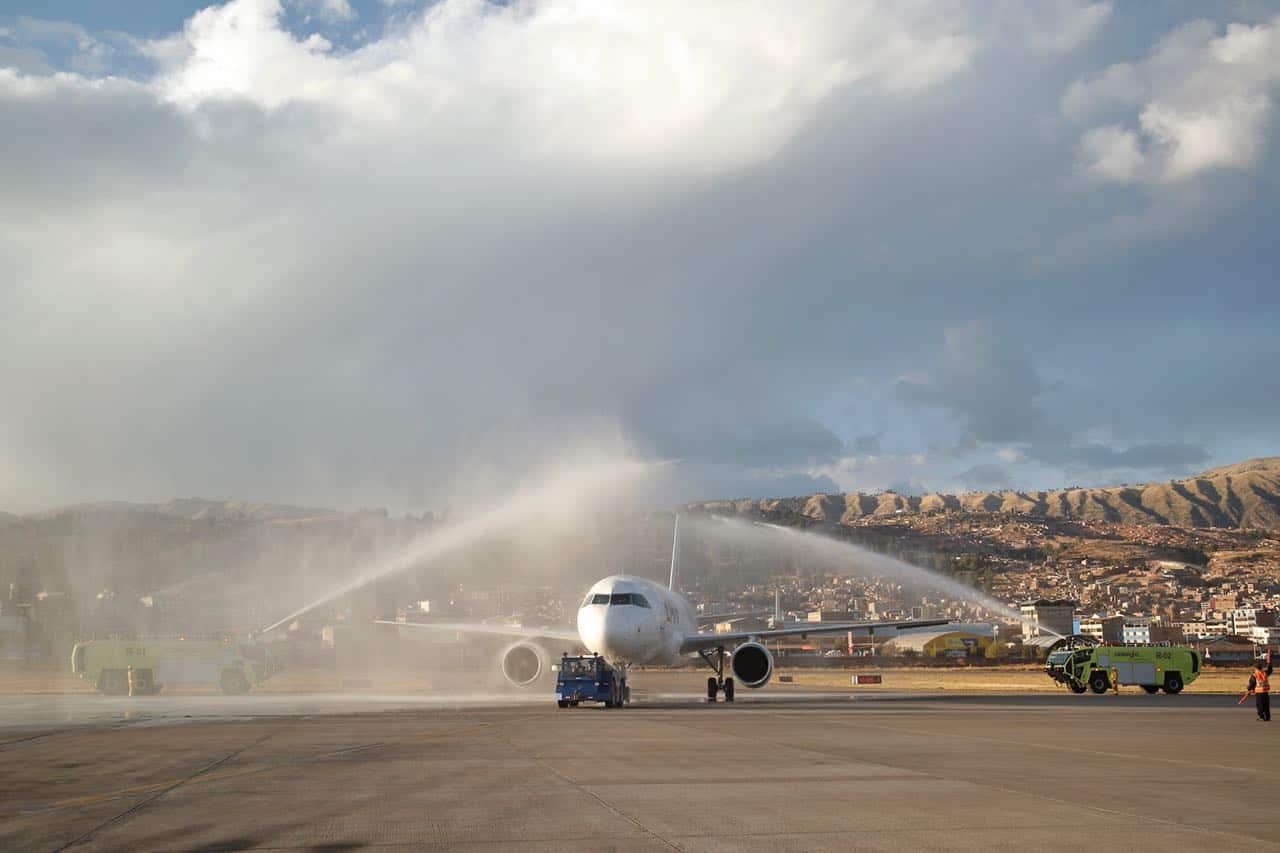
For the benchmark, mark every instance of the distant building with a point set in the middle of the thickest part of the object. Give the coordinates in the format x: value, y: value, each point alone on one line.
x: 1045, y: 617
x: 1242, y: 620
x: 939, y: 644
x: 1104, y: 629
x: 1148, y: 631
x: 1228, y: 649
x: 1224, y: 601
x: 1266, y: 635
x: 1037, y: 648
x: 1137, y: 631
x: 1197, y: 629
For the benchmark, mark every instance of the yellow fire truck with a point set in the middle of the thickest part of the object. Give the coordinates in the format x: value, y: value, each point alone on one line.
x: 1153, y: 668
x: 119, y: 667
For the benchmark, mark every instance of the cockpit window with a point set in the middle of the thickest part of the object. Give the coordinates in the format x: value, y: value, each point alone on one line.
x: 599, y: 598
x: 628, y: 598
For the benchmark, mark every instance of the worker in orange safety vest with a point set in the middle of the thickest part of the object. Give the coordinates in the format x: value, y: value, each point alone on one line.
x: 1260, y: 687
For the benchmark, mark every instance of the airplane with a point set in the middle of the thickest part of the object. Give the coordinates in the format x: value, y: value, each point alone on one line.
x: 632, y: 621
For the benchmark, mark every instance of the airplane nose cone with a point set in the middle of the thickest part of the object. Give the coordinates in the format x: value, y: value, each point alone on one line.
x: 609, y: 631
x: 591, y: 628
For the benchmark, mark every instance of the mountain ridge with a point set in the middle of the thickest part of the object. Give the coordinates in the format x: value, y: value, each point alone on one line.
x: 1242, y: 495
x: 190, y: 509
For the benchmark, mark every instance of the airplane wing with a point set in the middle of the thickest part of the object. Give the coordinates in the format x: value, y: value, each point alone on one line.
x: 707, y: 617
x: 709, y: 640
x: 486, y: 628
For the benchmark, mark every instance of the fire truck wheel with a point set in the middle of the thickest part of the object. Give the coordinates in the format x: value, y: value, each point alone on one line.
x: 1098, y: 682
x: 113, y: 682
x: 1076, y: 687
x: 1173, y: 683
x: 1151, y: 688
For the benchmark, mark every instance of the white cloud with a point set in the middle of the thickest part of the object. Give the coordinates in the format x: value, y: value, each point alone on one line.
x: 609, y: 81
x: 286, y: 269
x: 85, y: 52
x: 1203, y: 101
x: 1011, y: 454
x: 352, y: 269
x: 1119, y: 86
x: 1112, y: 154
x: 1064, y: 26
x: 877, y: 472
x: 331, y: 11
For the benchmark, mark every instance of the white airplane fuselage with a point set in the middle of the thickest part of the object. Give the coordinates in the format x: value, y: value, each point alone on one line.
x: 629, y: 620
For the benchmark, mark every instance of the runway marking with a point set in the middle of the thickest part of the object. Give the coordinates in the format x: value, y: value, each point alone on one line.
x: 232, y: 774
x: 591, y: 794
x: 136, y: 807
x: 5, y: 744
x: 1017, y: 791
x: 1071, y: 749
x: 142, y: 789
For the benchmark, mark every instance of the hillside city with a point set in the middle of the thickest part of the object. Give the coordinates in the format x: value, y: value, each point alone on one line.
x: 1110, y: 581
x: 200, y: 567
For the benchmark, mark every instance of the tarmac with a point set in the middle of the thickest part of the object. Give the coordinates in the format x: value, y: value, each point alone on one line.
x: 780, y: 769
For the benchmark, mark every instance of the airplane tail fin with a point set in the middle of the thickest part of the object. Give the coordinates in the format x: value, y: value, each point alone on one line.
x: 675, y: 545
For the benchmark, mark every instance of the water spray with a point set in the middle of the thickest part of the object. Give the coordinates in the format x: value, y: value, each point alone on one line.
x: 885, y: 565
x: 554, y: 495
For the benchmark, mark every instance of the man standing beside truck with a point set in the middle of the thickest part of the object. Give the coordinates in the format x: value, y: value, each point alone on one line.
x: 1260, y: 687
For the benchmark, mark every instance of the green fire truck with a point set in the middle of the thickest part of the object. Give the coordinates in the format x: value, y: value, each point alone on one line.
x: 119, y: 667
x: 1153, y: 668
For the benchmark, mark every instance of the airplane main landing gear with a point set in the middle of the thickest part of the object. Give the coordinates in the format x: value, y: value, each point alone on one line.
x: 717, y: 683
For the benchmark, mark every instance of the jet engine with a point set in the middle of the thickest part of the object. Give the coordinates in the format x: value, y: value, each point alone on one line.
x: 523, y: 662
x: 752, y: 665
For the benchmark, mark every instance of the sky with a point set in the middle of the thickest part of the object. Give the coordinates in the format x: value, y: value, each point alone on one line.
x: 365, y: 253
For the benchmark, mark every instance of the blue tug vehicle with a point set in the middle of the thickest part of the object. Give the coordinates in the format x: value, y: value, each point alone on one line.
x: 590, y: 678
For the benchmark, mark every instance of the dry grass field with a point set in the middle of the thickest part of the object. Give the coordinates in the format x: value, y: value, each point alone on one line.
x: 1010, y: 679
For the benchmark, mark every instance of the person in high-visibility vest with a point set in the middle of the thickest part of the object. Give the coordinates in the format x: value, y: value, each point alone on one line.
x: 1260, y: 687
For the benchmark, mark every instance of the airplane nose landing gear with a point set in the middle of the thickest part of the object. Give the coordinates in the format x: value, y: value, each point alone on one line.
x: 717, y: 683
